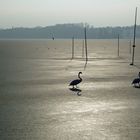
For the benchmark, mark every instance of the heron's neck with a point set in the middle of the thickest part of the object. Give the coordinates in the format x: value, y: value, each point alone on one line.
x: 79, y: 77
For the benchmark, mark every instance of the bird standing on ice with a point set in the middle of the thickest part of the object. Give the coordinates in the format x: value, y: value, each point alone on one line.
x: 77, y: 81
x: 136, y: 82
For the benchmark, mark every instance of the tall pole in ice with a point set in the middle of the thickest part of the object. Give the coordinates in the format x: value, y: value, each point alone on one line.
x: 82, y: 48
x: 134, y: 42
x: 130, y: 47
x: 86, y: 43
x: 118, y: 45
x: 72, y: 47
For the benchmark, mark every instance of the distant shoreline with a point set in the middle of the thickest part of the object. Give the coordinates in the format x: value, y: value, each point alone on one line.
x: 67, y: 31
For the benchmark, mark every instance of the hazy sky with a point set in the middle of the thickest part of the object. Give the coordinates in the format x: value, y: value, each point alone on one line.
x: 30, y: 13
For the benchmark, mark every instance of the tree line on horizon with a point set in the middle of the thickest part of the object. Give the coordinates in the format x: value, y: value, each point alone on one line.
x: 67, y: 31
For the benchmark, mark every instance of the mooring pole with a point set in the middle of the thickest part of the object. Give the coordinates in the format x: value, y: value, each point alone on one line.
x: 130, y: 47
x: 133, y: 53
x: 86, y: 43
x: 72, y: 47
x: 82, y: 48
x: 118, y: 45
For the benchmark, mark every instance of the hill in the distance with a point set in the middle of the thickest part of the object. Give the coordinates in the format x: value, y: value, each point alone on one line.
x: 68, y: 31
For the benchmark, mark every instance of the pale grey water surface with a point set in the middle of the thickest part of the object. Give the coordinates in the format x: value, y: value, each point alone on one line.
x: 37, y: 104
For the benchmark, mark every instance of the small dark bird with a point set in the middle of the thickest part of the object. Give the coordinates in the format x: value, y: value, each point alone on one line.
x: 77, y: 81
x: 136, y: 82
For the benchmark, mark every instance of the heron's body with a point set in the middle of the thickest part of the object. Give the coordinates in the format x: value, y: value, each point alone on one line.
x: 76, y: 81
x: 136, y: 81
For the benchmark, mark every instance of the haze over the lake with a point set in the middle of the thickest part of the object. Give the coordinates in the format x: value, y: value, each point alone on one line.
x: 31, y: 13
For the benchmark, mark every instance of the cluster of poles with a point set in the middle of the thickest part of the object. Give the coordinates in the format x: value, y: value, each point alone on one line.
x: 134, y: 41
x: 84, y: 45
x: 133, y: 46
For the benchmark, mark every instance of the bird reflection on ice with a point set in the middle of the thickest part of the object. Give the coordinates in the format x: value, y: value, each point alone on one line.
x: 76, y: 90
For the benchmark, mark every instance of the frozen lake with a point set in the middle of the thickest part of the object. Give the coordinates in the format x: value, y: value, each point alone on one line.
x: 37, y: 104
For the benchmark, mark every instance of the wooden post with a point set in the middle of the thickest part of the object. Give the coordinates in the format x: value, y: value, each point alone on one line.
x: 82, y: 48
x: 130, y: 47
x: 118, y: 45
x: 86, y: 43
x: 133, y: 53
x: 72, y: 47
